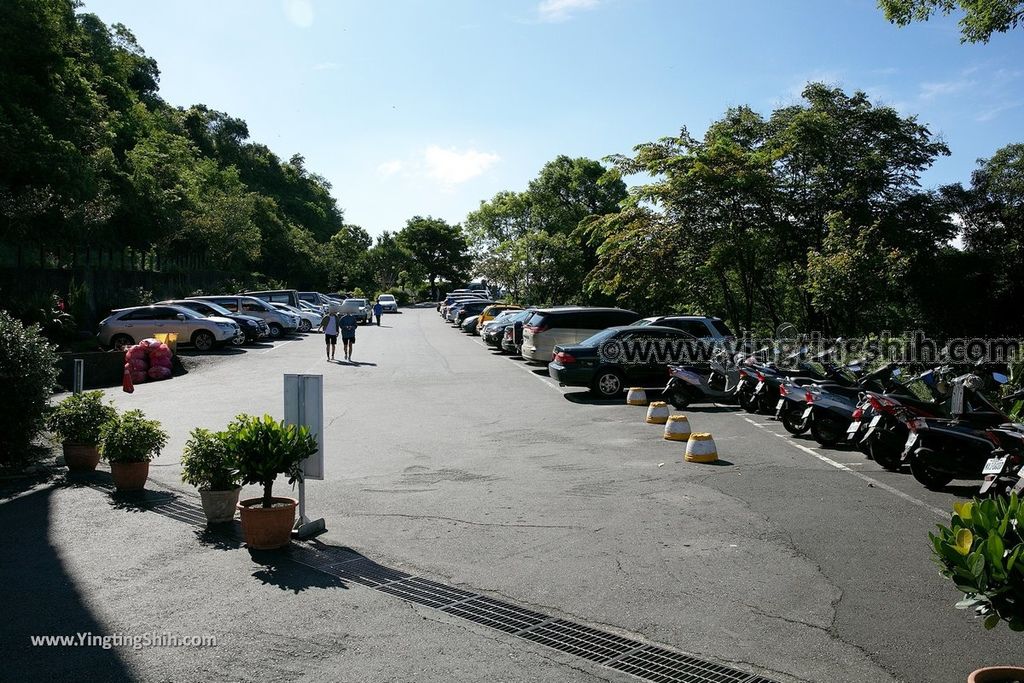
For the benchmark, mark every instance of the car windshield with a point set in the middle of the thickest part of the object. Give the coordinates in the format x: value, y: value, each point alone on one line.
x: 189, y: 313
x: 642, y: 322
x: 357, y: 302
x: 597, y: 339
x: 386, y: 297
x: 216, y: 308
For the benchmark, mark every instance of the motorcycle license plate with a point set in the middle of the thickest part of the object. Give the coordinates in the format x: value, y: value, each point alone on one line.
x: 759, y: 387
x: 1019, y: 486
x: 807, y: 412
x: 911, y: 440
x: 782, y: 402
x: 994, y: 466
x: 875, y: 420
x: 854, y: 426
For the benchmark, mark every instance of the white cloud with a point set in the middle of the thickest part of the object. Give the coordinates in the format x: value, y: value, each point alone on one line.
x: 929, y: 91
x: 326, y: 66
x: 390, y: 168
x: 560, y: 10
x: 299, y: 12
x: 451, y: 167
x: 993, y: 112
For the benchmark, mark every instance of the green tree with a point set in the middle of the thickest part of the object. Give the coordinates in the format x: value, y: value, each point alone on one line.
x: 439, y: 250
x: 981, y: 18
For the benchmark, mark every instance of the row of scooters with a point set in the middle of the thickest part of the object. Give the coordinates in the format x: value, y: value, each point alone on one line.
x: 943, y: 422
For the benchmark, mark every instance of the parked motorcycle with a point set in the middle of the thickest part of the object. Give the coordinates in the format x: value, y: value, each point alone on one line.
x: 687, y: 384
x: 940, y: 450
x: 831, y: 406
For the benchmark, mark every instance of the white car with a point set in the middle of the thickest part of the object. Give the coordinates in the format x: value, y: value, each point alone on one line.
x: 388, y: 303
x: 127, y: 326
x: 307, y: 319
x: 358, y: 309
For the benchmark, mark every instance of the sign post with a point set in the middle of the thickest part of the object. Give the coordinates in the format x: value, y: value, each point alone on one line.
x: 304, y: 405
x: 79, y: 375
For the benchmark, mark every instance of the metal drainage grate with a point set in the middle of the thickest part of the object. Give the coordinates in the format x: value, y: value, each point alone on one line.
x: 664, y: 666
x: 579, y: 640
x: 630, y: 656
x: 495, y: 614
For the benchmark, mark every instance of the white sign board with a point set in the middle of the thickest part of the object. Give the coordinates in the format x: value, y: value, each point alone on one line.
x: 304, y: 405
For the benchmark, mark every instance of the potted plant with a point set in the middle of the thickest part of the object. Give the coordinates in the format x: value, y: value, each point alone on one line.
x: 205, y: 465
x: 262, y: 448
x: 981, y: 551
x: 76, y: 422
x: 128, y: 442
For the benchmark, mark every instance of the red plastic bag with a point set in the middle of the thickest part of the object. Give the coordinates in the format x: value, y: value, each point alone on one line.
x: 138, y: 376
x: 159, y: 372
x: 161, y: 362
x: 126, y: 382
x: 136, y: 352
x: 138, y: 364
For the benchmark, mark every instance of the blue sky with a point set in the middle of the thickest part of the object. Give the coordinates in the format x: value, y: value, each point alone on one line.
x: 428, y: 107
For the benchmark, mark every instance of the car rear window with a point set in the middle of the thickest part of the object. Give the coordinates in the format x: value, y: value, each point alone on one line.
x: 597, y: 339
x: 722, y: 328
x: 537, y: 319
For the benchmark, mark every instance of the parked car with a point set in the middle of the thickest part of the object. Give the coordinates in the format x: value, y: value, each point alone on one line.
x: 453, y: 299
x: 581, y: 365
x: 493, y: 333
x: 470, y: 308
x: 317, y: 300
x: 388, y: 303
x: 307, y: 319
x: 492, y: 311
x: 699, y: 326
x: 279, y: 322
x: 253, y: 328
x: 126, y: 326
x: 468, y: 325
x: 360, y: 309
x: 282, y: 296
x: 451, y: 315
x: 312, y: 308
x: 549, y: 327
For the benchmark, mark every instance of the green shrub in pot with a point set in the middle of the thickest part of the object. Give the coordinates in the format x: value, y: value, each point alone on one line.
x: 128, y: 442
x: 76, y: 422
x: 262, y: 448
x: 205, y: 464
x: 981, y: 551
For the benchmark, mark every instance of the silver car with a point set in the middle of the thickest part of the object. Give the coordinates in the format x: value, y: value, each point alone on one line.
x: 280, y: 322
x: 126, y: 326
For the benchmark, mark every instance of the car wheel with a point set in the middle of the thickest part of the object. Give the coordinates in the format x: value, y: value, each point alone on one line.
x: 305, y: 326
x: 203, y: 340
x: 120, y: 341
x: 238, y: 340
x: 607, y: 383
x: 276, y: 331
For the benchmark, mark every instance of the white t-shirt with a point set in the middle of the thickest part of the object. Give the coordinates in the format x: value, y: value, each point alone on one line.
x: 332, y: 325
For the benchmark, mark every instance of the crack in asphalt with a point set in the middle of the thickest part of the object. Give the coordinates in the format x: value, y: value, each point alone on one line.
x: 465, y: 521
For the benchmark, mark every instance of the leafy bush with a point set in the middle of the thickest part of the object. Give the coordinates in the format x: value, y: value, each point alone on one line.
x: 28, y: 370
x: 262, y: 448
x: 980, y: 550
x: 401, y: 295
x: 205, y: 463
x: 130, y: 437
x: 79, y: 418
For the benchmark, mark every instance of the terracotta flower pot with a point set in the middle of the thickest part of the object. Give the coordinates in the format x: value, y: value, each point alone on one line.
x: 219, y: 506
x: 997, y: 674
x: 80, y: 457
x: 267, y: 528
x: 129, y: 476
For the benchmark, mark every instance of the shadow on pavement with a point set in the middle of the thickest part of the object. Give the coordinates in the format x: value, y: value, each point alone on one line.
x: 41, y: 599
x: 588, y: 399
x: 280, y: 570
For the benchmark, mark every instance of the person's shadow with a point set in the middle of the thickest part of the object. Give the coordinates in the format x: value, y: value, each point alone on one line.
x: 354, y: 362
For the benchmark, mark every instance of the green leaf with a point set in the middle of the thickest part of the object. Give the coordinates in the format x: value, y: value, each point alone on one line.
x: 964, y: 510
x: 994, y: 551
x: 976, y: 563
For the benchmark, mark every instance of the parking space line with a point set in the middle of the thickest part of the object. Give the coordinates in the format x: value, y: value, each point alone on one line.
x: 525, y: 368
x: 277, y: 346
x: 860, y: 475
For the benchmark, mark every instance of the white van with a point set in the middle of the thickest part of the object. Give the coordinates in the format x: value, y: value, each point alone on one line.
x: 548, y: 327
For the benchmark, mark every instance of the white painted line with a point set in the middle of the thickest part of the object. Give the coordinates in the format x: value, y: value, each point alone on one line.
x: 840, y: 466
x: 277, y: 346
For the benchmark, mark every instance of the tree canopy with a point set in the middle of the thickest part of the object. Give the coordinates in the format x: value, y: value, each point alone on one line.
x: 981, y: 18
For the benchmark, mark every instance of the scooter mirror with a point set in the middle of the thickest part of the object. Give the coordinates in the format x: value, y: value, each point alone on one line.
x: 1000, y: 377
x: 896, y: 372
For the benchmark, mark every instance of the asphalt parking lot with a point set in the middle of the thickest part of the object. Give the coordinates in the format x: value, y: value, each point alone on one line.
x: 447, y: 461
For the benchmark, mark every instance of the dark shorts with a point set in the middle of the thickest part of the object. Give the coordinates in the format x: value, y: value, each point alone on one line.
x: 331, y: 339
x: 350, y: 340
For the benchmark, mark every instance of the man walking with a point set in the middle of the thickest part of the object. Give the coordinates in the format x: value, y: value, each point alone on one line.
x: 377, y: 310
x: 330, y: 326
x: 347, y: 325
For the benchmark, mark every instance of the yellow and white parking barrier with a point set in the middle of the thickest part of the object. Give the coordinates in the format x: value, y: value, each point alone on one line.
x: 657, y: 413
x: 700, y: 447
x: 677, y: 428
x: 636, y: 396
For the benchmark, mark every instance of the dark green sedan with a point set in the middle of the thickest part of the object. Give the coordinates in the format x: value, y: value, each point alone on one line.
x: 619, y: 357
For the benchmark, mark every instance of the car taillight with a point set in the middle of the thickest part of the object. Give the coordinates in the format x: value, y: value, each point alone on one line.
x: 535, y: 329
x: 564, y: 358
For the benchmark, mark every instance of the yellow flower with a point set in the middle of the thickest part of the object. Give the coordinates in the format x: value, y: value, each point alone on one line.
x: 964, y: 539
x: 964, y: 509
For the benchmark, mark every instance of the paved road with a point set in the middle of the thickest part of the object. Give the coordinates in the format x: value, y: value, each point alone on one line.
x: 448, y: 461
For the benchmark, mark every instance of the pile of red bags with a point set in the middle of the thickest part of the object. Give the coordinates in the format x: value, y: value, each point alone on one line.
x: 149, y: 359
